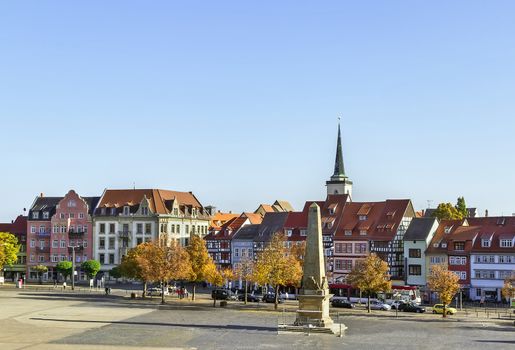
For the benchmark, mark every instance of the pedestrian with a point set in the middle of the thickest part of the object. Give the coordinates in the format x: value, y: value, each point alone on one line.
x: 64, y: 285
x: 55, y: 283
x: 482, y: 302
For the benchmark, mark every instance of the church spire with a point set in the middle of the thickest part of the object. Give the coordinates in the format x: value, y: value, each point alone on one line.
x: 339, y: 182
x: 339, y: 169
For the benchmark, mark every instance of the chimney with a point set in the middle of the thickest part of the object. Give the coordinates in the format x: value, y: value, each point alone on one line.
x: 41, y: 194
x: 486, y: 213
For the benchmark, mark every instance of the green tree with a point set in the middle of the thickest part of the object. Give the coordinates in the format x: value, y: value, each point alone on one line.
x: 64, y: 268
x: 202, y: 265
x: 277, y: 266
x: 9, y: 249
x: 461, y: 207
x: 370, y: 276
x: 446, y: 211
x: 115, y: 272
x: 445, y: 283
x: 91, y: 267
x: 40, y: 269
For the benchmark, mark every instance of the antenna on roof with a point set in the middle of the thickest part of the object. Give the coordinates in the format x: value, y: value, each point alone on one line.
x: 429, y: 202
x: 134, y: 185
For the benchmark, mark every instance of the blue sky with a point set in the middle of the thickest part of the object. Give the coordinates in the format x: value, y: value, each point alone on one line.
x: 238, y: 100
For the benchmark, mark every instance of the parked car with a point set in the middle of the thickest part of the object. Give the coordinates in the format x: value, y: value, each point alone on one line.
x: 156, y: 291
x: 411, y: 307
x: 438, y: 309
x: 342, y: 303
x: 378, y: 305
x: 397, y: 304
x: 270, y: 298
x: 253, y: 298
x: 288, y: 296
x: 222, y: 294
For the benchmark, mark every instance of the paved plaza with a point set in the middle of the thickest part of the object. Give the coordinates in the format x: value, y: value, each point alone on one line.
x: 31, y: 319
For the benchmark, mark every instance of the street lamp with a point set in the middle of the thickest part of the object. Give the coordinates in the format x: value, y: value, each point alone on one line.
x: 72, y: 247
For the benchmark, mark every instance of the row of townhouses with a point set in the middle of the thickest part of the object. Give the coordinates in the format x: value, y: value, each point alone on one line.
x: 101, y: 228
x: 480, y: 250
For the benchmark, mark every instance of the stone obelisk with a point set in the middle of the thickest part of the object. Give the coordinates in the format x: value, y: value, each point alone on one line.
x: 314, y: 293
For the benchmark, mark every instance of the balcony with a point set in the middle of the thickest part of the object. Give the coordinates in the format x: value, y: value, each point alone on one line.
x: 76, y: 233
x: 40, y: 249
x: 124, y: 234
x: 43, y: 234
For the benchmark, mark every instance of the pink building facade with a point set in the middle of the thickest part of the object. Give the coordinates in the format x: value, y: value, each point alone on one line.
x: 54, y: 225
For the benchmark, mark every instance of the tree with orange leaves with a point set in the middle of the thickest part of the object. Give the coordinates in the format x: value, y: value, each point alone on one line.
x: 445, y: 283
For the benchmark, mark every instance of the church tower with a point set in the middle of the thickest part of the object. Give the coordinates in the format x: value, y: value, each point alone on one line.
x: 339, y: 182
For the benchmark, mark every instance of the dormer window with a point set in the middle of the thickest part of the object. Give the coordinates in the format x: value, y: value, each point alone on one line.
x: 175, y: 212
x: 444, y: 245
x: 459, y: 246
x: 348, y: 232
x: 103, y: 211
x: 193, y: 212
x: 46, y: 215
x: 506, y: 243
x: 303, y: 232
x: 144, y: 211
x: 363, y: 232
x: 485, y: 243
x: 35, y: 215
x: 447, y: 229
x: 362, y: 218
x: 289, y: 233
x: 126, y: 210
x: 435, y: 245
x: 113, y: 211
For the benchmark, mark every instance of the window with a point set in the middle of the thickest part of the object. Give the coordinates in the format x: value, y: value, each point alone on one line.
x: 113, y: 212
x: 144, y: 211
x: 303, y: 232
x: 101, y: 258
x: 72, y: 228
x: 506, y: 243
x: 506, y: 259
x: 85, y: 244
x: 35, y: 215
x: 42, y: 229
x: 85, y: 257
x: 362, y: 218
x: 102, y: 228
x: 46, y: 215
x: 346, y: 264
x: 485, y: 274
x: 72, y: 216
x: 41, y: 244
x: 363, y: 232
x: 414, y: 253
x: 289, y: 233
x: 236, y: 252
x: 505, y: 274
x: 348, y: 232
x: 111, y: 259
x: 148, y: 228
x: 31, y: 257
x: 81, y: 215
x: 478, y: 292
x: 249, y: 252
x: 485, y: 243
x: 111, y: 243
x: 447, y: 229
x: 72, y: 204
x: 55, y: 243
x: 337, y: 264
x: 111, y: 228
x: 63, y: 229
x: 175, y: 212
x: 437, y: 259
x: 32, y: 243
x: 444, y: 245
x: 55, y: 258
x: 55, y: 229
x: 187, y: 229
x: 459, y: 245
x: 415, y: 270
x: 126, y: 210
x: 360, y: 248
x: 63, y: 243
x: 139, y: 228
x: 41, y: 258
x: 79, y: 228
x: 139, y: 241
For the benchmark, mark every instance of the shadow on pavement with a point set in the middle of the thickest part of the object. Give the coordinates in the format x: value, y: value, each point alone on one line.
x: 161, y: 324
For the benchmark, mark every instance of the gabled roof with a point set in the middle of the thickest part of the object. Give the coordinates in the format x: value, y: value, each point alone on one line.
x: 247, y: 232
x: 220, y: 218
x: 443, y: 235
x: 272, y: 223
x: 380, y: 219
x: 17, y: 227
x: 48, y: 204
x: 160, y: 201
x: 254, y: 218
x: 419, y: 229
